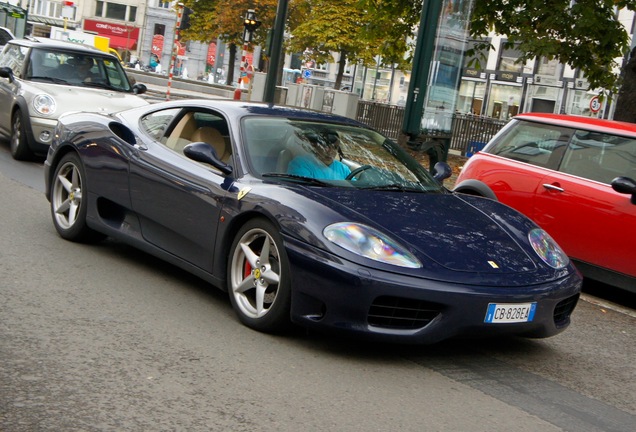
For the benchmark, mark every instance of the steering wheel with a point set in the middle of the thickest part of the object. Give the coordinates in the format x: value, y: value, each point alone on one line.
x: 357, y: 171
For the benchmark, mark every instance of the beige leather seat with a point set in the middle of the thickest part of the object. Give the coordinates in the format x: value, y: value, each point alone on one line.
x: 213, y: 137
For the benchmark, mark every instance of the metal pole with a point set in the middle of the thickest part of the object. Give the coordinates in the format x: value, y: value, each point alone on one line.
x: 277, y: 52
x: 421, y: 67
x: 251, y: 14
x: 173, y: 57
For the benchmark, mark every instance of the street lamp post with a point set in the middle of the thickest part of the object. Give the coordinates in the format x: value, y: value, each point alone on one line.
x: 276, y: 52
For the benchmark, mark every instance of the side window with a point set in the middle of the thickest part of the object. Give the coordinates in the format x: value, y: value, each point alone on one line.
x: 200, y: 126
x: 156, y: 124
x: 537, y: 144
x: 13, y: 58
x: 600, y: 157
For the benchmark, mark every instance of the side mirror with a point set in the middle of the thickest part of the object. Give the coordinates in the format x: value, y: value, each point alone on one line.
x: 442, y: 171
x: 202, y: 152
x: 625, y: 185
x: 7, y: 72
x: 139, y: 89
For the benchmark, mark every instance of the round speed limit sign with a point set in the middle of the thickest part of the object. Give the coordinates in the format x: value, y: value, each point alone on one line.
x: 595, y: 104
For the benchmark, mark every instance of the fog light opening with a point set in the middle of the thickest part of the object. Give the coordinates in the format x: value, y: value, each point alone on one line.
x: 45, y: 136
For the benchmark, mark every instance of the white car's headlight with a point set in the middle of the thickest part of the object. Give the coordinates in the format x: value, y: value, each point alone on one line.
x: 44, y: 104
x: 370, y: 243
x: 547, y: 249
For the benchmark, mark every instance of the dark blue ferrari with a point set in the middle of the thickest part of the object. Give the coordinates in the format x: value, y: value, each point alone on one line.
x: 307, y: 218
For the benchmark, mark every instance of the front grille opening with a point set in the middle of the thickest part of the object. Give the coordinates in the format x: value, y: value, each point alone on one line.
x: 564, y: 309
x: 402, y: 313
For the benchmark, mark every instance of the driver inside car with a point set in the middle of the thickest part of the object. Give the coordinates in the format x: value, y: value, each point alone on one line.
x: 320, y: 162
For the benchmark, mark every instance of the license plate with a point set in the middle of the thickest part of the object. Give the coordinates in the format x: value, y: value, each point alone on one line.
x: 510, y: 313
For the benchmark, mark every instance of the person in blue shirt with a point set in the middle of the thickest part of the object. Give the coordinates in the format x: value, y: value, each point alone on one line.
x: 321, y: 163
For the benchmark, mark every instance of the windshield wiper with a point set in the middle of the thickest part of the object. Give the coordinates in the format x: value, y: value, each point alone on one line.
x: 393, y: 187
x: 298, y: 178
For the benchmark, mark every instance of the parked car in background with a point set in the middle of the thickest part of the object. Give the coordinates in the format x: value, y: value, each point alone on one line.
x: 43, y: 78
x: 5, y: 36
x: 239, y: 194
x: 576, y: 178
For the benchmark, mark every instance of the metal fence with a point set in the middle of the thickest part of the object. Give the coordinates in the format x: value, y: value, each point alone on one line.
x: 468, y: 134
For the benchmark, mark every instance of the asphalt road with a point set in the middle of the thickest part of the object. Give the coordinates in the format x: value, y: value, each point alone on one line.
x: 104, y: 338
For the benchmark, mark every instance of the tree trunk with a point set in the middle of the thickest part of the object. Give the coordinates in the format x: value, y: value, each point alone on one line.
x: 626, y: 102
x: 230, y: 65
x: 342, y: 62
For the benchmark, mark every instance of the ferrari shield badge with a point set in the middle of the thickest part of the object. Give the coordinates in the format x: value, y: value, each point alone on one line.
x: 243, y: 192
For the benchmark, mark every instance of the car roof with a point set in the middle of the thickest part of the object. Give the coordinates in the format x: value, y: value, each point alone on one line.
x: 37, y: 42
x: 581, y: 122
x: 5, y: 35
x: 242, y: 108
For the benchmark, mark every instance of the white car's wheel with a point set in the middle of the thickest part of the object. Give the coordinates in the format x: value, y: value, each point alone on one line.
x: 19, y: 146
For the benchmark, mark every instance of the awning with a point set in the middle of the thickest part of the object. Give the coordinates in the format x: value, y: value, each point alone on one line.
x: 121, y: 42
x: 50, y: 21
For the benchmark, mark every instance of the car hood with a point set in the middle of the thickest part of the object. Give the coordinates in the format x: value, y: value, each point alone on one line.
x: 445, y: 231
x: 74, y: 98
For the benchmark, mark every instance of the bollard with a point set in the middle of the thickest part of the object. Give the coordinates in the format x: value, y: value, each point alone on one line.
x: 237, y: 94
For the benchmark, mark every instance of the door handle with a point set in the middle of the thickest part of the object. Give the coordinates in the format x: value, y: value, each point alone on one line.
x: 552, y: 187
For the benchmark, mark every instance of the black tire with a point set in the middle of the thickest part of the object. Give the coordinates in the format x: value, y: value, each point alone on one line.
x: 19, y: 143
x: 258, y: 278
x: 68, y: 206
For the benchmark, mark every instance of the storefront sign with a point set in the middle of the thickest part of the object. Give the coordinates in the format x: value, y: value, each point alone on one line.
x: 121, y: 36
x: 474, y: 73
x: 507, y: 76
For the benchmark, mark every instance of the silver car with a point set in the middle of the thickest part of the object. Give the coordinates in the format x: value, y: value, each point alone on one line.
x: 40, y: 79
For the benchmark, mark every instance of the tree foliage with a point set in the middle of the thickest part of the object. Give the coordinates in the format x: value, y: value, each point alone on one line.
x: 584, y: 34
x: 223, y: 19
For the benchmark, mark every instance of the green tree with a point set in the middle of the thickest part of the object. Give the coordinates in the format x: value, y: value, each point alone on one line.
x: 326, y: 27
x: 224, y: 18
x: 584, y: 34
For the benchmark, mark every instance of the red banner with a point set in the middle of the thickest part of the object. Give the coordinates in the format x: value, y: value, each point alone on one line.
x: 211, y: 53
x: 157, y: 45
x: 180, y: 48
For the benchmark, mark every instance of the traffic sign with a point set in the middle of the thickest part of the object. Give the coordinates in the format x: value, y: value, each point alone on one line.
x: 595, y: 104
x: 306, y: 73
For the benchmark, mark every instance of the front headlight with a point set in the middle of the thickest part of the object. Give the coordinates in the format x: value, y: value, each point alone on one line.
x: 44, y: 104
x: 547, y: 249
x: 370, y: 243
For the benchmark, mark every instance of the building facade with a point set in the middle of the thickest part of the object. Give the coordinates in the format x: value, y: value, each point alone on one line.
x: 499, y: 88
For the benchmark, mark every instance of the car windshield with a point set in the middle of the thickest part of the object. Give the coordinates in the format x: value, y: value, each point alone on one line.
x: 331, y: 154
x: 76, y: 69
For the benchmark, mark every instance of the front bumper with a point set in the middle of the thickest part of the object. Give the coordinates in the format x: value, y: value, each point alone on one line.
x: 330, y: 294
x: 41, y: 132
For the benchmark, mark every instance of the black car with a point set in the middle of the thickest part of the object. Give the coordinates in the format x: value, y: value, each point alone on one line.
x: 367, y: 243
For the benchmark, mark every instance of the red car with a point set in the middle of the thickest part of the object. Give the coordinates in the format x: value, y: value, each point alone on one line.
x: 576, y: 178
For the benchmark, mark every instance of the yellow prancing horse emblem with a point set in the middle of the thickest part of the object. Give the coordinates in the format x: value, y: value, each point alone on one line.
x: 243, y: 192
x: 257, y: 273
